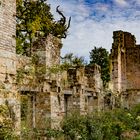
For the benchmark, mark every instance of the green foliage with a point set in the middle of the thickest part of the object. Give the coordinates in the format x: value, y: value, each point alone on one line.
x: 34, y: 20
x: 73, y: 61
x: 81, y: 127
x: 117, y: 124
x: 100, y: 56
x: 24, y: 107
x: 68, y: 61
x: 137, y: 138
x: 6, y: 124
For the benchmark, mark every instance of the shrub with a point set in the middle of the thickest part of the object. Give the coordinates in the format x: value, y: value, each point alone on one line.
x: 6, y: 124
x: 117, y: 124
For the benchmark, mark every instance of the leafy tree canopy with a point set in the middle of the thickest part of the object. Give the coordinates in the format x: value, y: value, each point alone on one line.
x: 100, y: 56
x: 73, y: 60
x: 35, y: 20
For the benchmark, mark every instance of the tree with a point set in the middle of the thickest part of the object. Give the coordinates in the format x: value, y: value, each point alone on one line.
x: 34, y: 20
x: 73, y: 61
x: 100, y: 56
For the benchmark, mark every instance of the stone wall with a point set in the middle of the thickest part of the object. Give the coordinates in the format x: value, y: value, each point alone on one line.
x: 116, y: 61
x: 48, y: 50
x: 84, y: 91
x: 49, y: 96
x: 8, y: 91
x: 130, y: 98
x: 125, y: 63
x: 125, y: 56
x: 75, y: 90
x: 133, y: 68
x: 7, y: 36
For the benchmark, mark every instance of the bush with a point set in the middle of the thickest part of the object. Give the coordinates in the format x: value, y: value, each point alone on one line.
x: 117, y: 124
x: 6, y: 124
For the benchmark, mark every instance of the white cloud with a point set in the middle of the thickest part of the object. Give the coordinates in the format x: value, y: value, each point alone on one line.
x: 87, y: 35
x: 87, y: 31
x: 121, y: 2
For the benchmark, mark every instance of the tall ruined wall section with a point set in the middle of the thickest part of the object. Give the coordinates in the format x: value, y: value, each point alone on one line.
x: 7, y: 37
x: 117, y: 47
x: 41, y: 86
x: 8, y: 90
x: 125, y: 62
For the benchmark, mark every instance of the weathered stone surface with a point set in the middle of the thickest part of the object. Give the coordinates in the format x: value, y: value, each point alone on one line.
x: 50, y: 96
x: 8, y: 91
x: 125, y: 64
x: 48, y: 50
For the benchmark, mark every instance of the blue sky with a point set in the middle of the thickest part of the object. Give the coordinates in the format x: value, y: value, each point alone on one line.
x: 93, y: 22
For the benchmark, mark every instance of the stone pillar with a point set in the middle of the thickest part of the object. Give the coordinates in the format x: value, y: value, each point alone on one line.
x: 48, y: 50
x: 116, y: 62
x: 49, y: 102
x: 8, y: 59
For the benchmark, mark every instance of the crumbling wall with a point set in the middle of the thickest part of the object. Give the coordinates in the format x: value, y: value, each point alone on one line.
x: 125, y: 56
x: 8, y: 92
x: 133, y: 68
x: 130, y: 98
x: 42, y: 85
x: 85, y: 86
x: 117, y: 47
x: 125, y: 64
x: 94, y: 88
x: 71, y: 91
x: 48, y: 50
x: 49, y: 96
x: 62, y: 92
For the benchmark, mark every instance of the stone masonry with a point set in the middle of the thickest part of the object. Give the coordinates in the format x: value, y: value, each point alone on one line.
x: 48, y: 96
x: 8, y: 91
x: 125, y: 68
x: 59, y: 93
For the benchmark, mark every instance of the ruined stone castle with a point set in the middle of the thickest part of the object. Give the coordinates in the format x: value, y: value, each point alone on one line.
x: 49, y: 96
